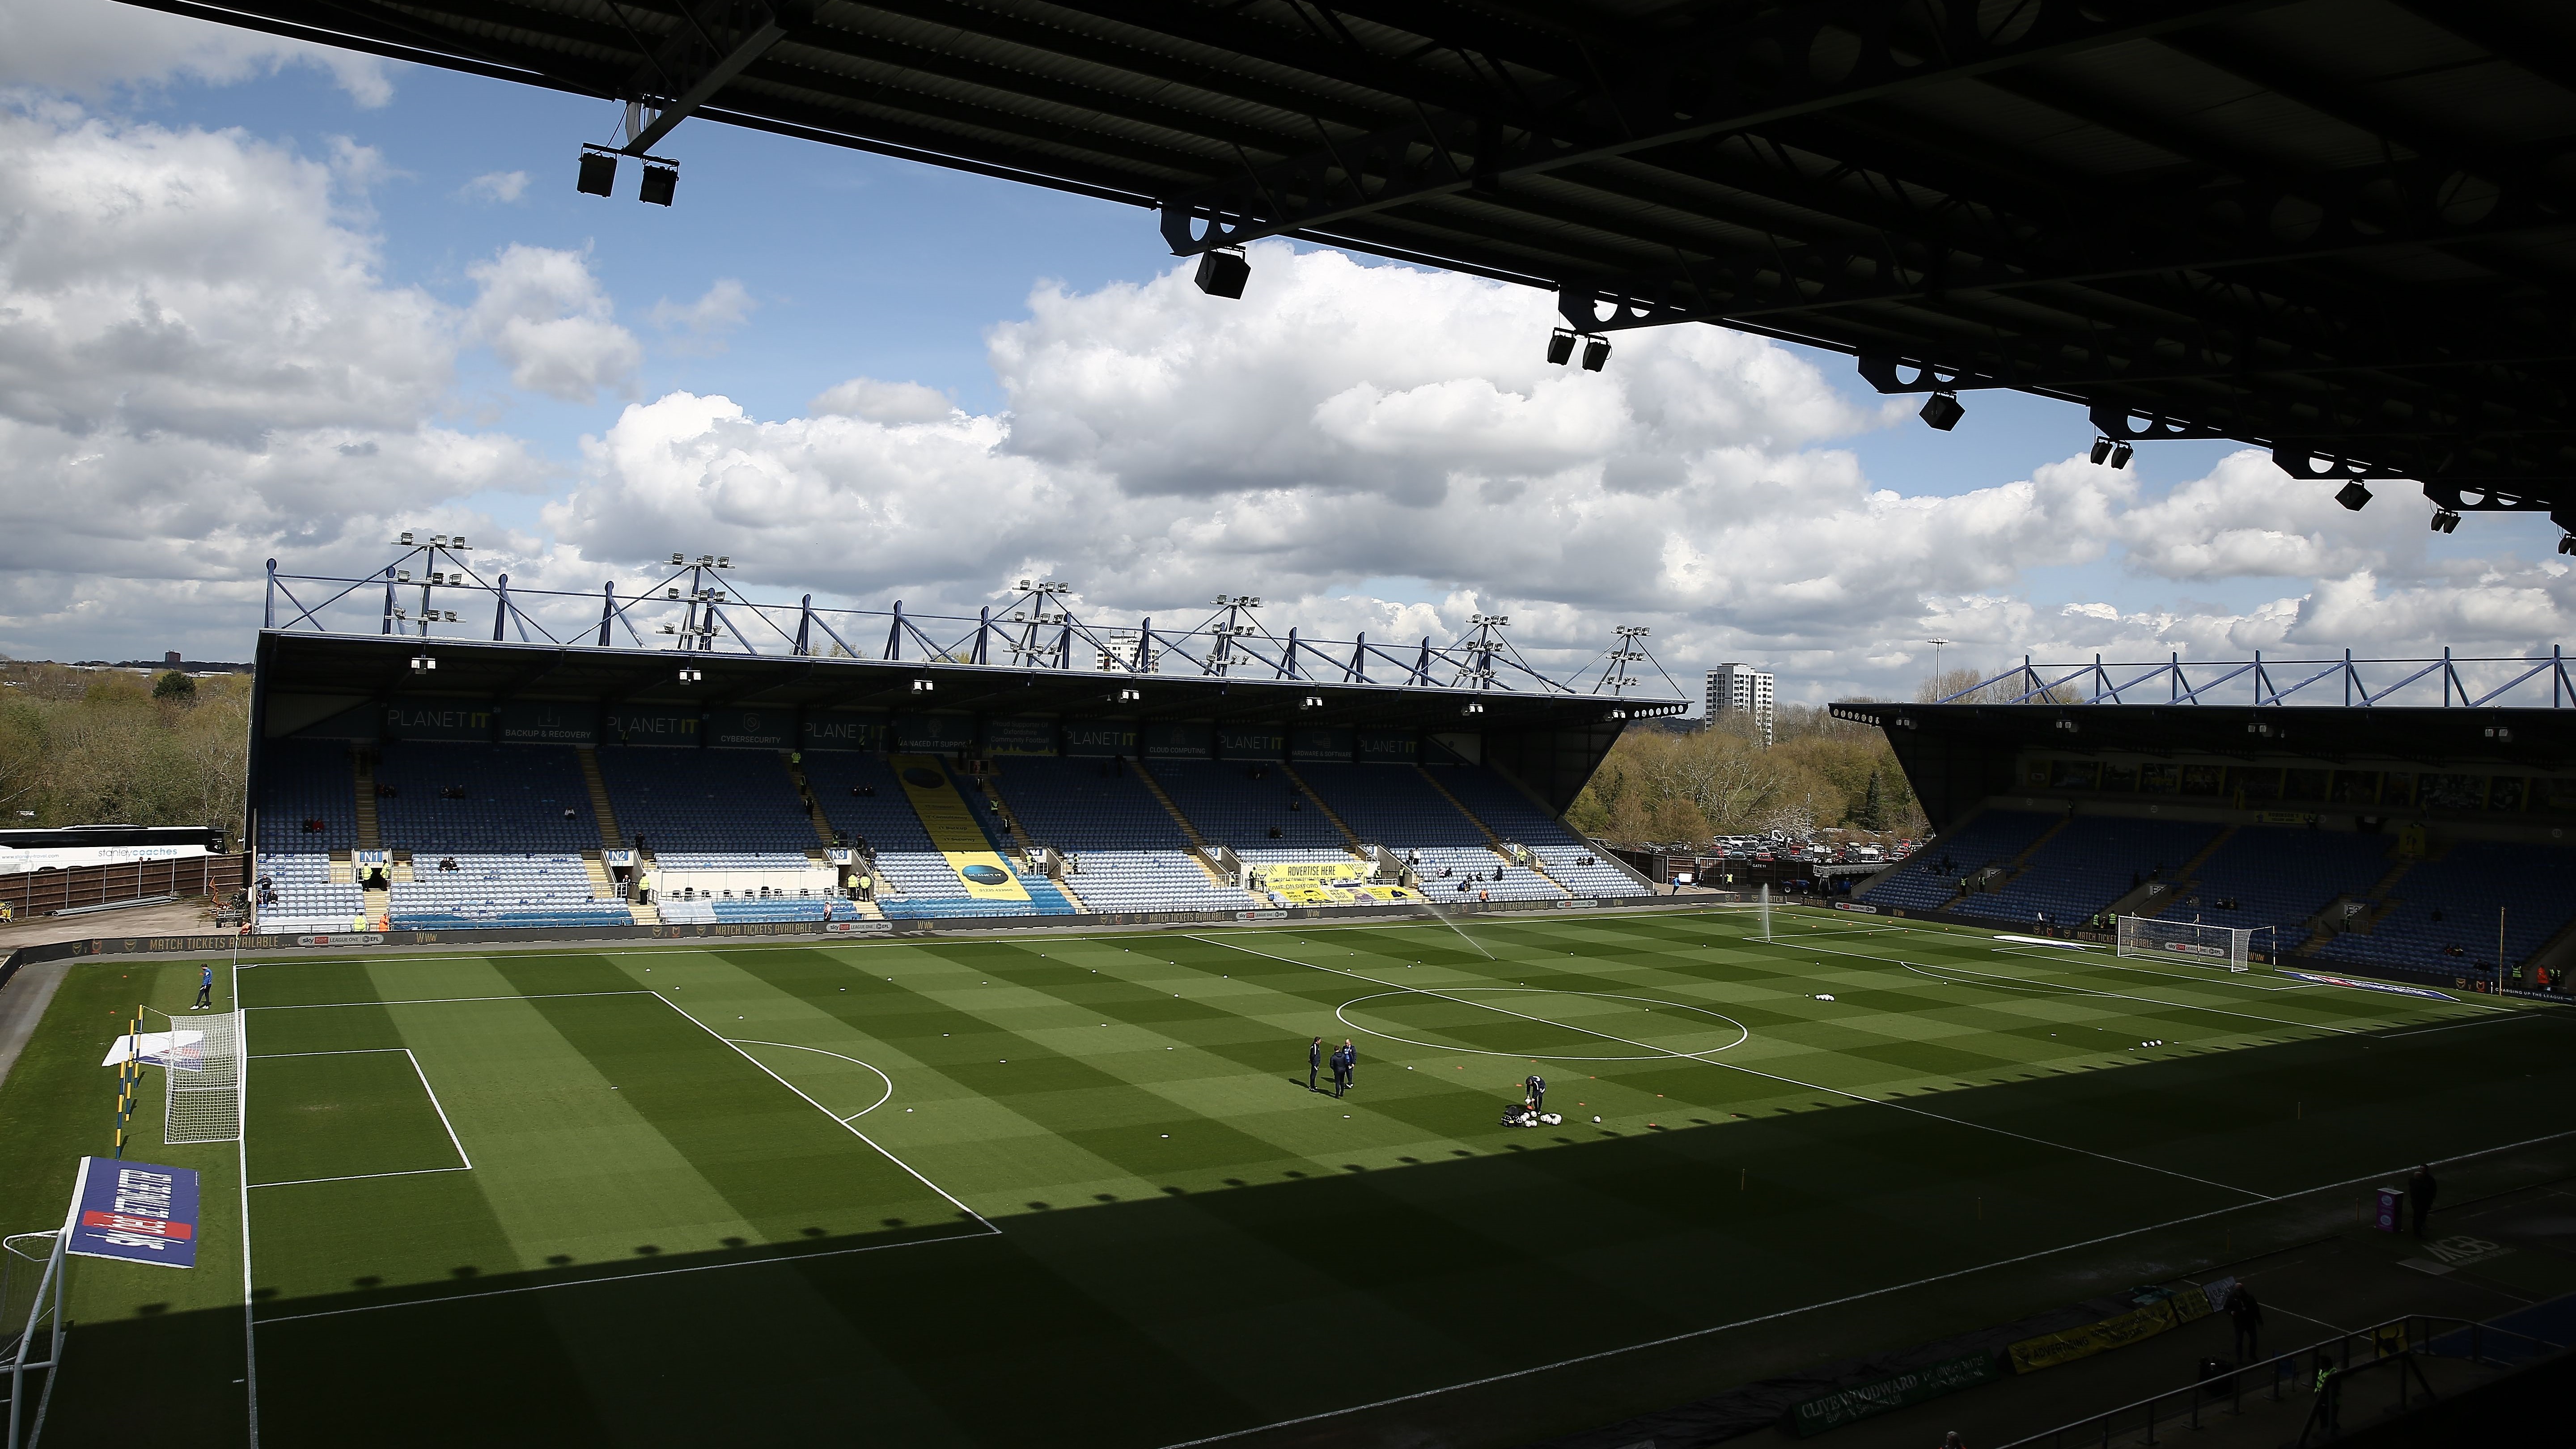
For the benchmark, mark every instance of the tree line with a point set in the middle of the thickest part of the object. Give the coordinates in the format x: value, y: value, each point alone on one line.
x: 98, y: 747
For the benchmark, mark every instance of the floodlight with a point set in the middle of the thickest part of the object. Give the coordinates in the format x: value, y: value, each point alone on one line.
x: 691, y: 676
x: 1314, y: 701
x: 437, y: 540
x: 406, y: 537
x: 706, y: 560
x: 451, y: 616
x: 922, y: 686
x: 676, y: 560
x: 2445, y: 521
x: 1596, y: 352
x: 402, y: 576
x: 1560, y: 346
x: 2501, y: 734
x: 598, y: 173
x: 2567, y: 543
x: 1130, y: 696
x: 659, y: 183
x: 672, y: 592
x: 724, y: 560
x: 2101, y: 451
x: 2353, y: 496
x: 2121, y: 455
x: 1223, y: 273
x: 1942, y: 411
x: 1474, y: 706
x: 422, y: 664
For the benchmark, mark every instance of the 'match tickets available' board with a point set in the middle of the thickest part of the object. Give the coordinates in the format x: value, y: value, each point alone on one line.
x: 136, y: 1212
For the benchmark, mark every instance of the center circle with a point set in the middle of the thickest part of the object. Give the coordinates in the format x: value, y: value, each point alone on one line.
x: 1530, y: 1021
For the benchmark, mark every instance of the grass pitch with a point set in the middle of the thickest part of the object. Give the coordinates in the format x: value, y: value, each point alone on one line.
x: 1075, y: 1190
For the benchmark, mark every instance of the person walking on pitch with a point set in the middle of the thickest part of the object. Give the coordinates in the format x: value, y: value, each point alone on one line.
x: 2419, y: 1195
x: 205, y: 988
x: 1314, y: 1062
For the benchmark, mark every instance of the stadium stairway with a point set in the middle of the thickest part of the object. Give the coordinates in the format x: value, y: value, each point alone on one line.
x: 2165, y: 892
x: 2381, y: 899
x: 1200, y: 851
x: 1332, y: 817
x: 601, y: 810
x: 1493, y: 839
x: 813, y: 808
x: 2012, y: 868
x: 964, y: 838
x: 1029, y: 850
x: 370, y: 834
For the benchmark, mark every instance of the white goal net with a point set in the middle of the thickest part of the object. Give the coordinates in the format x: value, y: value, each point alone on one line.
x: 205, y: 1079
x: 2146, y: 939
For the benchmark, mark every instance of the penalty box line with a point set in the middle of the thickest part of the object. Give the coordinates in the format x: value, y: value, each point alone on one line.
x: 434, y: 1105
x: 1709, y: 1058
x: 836, y: 1119
x: 1861, y: 1297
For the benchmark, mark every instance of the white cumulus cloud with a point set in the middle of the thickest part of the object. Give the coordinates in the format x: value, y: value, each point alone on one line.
x: 542, y: 312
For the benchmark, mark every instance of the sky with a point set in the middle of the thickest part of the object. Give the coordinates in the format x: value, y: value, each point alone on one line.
x: 263, y: 301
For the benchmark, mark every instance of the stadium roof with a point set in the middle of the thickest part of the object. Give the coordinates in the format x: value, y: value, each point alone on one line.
x: 1551, y: 741
x: 2337, y: 228
x: 1958, y: 754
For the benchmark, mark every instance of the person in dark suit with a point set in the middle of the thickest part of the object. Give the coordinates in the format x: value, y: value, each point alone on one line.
x: 2247, y: 1315
x: 2419, y: 1195
x: 1536, y: 1087
x: 1350, y: 1063
x: 1341, y: 1073
x: 1314, y: 1062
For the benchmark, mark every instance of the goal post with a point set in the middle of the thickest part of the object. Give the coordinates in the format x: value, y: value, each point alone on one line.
x: 2144, y: 938
x: 202, y: 1067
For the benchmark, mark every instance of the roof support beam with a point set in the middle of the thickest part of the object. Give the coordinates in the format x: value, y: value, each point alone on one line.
x: 714, y: 43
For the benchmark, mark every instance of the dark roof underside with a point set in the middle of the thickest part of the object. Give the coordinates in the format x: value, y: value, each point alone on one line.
x: 2339, y: 228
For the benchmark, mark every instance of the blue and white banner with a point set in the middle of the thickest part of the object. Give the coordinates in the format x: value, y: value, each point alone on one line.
x: 2391, y: 987
x: 136, y: 1212
x: 182, y: 1051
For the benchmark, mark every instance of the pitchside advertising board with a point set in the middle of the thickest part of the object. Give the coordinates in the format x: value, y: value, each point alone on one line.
x: 136, y: 1212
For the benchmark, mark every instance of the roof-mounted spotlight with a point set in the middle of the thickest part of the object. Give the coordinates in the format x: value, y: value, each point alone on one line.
x: 2444, y: 520
x: 2122, y: 453
x: 451, y: 616
x: 2101, y: 451
x: 2567, y: 543
x: 1560, y: 346
x: 598, y: 173
x: 422, y: 664
x: 402, y: 576
x: 691, y: 676
x: 458, y: 542
x: 1596, y: 353
x: 2353, y: 496
x: 1942, y: 411
x: 1314, y: 701
x: 1474, y: 706
x: 660, y: 181
x: 724, y: 560
x: 923, y: 686
x: 1127, y: 696
x: 1223, y: 273
x: 2501, y: 734
x: 678, y: 559
x: 406, y: 536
